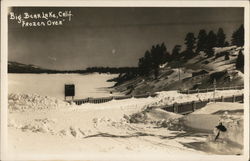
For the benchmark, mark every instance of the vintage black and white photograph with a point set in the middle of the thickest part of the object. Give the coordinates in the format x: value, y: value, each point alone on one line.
x: 126, y: 81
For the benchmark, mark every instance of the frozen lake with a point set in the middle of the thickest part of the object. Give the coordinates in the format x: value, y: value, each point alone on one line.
x: 89, y: 85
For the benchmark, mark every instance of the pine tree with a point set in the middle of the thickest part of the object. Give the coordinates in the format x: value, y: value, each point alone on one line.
x: 176, y: 52
x: 238, y: 36
x: 145, y: 64
x: 211, y: 42
x: 159, y: 56
x: 190, y: 41
x: 202, y: 41
x: 220, y: 38
x: 152, y: 59
x: 240, y: 62
x: 165, y: 54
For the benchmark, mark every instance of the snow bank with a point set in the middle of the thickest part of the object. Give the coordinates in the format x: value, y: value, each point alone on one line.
x: 201, y: 122
x: 220, y: 108
x: 231, y: 141
x: 22, y: 102
x: 36, y: 126
x: 157, y: 117
x: 170, y: 97
x: 154, y: 115
x: 207, y: 118
x: 159, y: 114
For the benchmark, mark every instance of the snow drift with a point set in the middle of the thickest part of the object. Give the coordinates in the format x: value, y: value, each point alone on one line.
x: 22, y: 102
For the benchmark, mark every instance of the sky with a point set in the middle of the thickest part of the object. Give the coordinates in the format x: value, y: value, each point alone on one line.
x: 106, y: 36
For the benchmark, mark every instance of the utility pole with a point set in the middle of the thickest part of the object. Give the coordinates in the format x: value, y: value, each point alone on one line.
x: 214, y: 83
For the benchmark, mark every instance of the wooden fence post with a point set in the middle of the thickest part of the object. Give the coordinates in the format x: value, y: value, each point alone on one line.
x: 194, y: 105
x: 233, y: 98
x: 175, y: 107
x: 222, y: 99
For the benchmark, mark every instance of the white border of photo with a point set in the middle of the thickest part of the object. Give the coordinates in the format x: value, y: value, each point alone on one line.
x: 149, y: 3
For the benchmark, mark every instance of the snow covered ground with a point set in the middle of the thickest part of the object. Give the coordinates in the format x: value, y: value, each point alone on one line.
x: 47, y: 127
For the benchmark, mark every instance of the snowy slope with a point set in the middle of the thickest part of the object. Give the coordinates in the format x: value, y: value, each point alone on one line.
x: 168, y: 79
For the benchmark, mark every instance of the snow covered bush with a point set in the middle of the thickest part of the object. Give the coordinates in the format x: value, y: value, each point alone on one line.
x: 139, y: 117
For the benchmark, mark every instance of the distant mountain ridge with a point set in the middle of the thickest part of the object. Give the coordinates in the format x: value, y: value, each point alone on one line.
x: 16, y: 67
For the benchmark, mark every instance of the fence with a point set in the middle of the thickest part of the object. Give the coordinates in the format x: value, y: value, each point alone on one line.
x: 188, y: 107
x: 210, y: 90
x: 107, y: 99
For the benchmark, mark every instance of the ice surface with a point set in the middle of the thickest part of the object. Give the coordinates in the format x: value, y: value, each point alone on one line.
x: 86, y: 85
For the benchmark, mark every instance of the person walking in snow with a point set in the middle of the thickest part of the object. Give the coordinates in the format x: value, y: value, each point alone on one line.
x: 220, y: 128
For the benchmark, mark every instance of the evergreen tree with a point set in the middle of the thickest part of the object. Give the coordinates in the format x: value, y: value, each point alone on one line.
x: 159, y: 56
x: 152, y: 59
x: 176, y: 52
x: 202, y: 41
x: 190, y: 41
x: 240, y: 62
x: 165, y: 54
x: 211, y: 42
x: 145, y: 64
x: 220, y: 38
x: 238, y: 36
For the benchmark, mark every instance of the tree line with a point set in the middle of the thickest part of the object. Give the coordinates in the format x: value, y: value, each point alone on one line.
x: 113, y: 70
x: 204, y: 42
